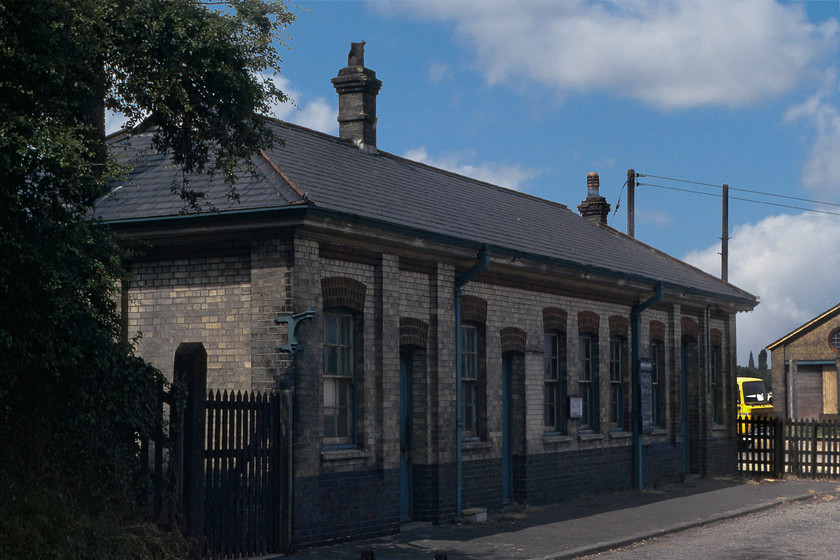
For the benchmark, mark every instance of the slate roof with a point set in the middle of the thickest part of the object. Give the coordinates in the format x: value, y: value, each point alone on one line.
x: 337, y: 176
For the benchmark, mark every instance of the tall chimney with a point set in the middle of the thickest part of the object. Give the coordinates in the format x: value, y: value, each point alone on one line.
x: 357, y: 88
x: 594, y: 207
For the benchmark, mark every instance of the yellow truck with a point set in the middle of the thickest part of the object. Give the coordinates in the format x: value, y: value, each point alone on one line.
x: 753, y: 401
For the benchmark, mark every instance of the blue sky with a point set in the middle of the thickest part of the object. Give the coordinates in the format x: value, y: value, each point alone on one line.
x: 533, y: 95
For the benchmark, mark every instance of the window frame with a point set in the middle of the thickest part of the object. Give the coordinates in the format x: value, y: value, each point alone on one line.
x: 834, y: 340
x: 345, y: 341
x: 657, y: 360
x: 619, y: 369
x: 471, y: 387
x: 588, y: 379
x: 554, y: 381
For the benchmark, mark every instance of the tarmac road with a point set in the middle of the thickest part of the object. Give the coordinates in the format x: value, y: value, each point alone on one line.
x: 805, y: 530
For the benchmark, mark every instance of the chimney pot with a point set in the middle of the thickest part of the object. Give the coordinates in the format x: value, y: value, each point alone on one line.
x: 594, y: 207
x: 592, y: 185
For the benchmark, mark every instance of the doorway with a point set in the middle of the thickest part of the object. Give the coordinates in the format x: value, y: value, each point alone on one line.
x: 406, y: 429
x: 507, y: 428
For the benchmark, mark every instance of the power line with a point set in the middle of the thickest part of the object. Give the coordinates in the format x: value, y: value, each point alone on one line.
x: 741, y: 190
x: 742, y: 199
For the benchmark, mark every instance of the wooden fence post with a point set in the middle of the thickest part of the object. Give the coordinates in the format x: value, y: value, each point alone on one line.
x: 813, y: 448
x: 779, y: 459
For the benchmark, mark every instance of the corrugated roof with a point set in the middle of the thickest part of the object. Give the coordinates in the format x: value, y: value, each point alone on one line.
x: 337, y: 176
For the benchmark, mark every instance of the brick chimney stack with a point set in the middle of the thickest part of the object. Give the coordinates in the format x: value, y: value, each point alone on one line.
x: 595, y: 207
x: 357, y: 88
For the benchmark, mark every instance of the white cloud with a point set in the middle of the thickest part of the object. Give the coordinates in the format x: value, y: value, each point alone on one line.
x: 439, y: 72
x: 821, y: 172
x: 651, y: 217
x: 316, y: 114
x: 791, y: 262
x: 503, y: 175
x: 114, y: 122
x: 668, y: 54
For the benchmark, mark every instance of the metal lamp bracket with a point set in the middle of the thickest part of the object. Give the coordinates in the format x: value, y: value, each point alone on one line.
x: 293, y: 322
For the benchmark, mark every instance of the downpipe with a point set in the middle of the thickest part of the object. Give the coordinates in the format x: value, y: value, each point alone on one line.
x: 635, y: 333
x: 476, y: 269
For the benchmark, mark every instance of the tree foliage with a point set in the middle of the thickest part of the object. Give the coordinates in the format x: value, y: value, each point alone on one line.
x: 73, y: 398
x: 762, y: 360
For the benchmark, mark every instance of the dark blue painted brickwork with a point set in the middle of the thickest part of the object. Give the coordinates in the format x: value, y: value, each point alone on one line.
x: 434, y: 493
x: 349, y: 506
x: 663, y: 464
x: 481, y: 485
x: 722, y: 457
x: 555, y: 477
x: 340, y: 507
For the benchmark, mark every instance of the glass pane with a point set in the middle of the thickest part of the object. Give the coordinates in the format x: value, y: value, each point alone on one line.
x: 343, y: 422
x: 343, y: 390
x: 585, y: 347
x: 551, y: 357
x: 346, y: 330
x: 550, y: 405
x: 345, y: 365
x: 586, y: 400
x: 329, y: 424
x: 331, y: 327
x: 331, y: 360
x: 329, y: 393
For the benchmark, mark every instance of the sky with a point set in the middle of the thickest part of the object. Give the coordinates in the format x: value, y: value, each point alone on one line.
x: 691, y: 94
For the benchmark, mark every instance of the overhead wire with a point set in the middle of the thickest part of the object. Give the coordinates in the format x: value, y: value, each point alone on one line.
x: 618, y: 202
x: 762, y: 193
x: 739, y: 198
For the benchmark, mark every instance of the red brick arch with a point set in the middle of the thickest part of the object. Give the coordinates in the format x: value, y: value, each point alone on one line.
x: 588, y: 322
x: 473, y: 310
x: 554, y: 319
x: 513, y: 339
x: 619, y: 326
x: 690, y: 328
x: 413, y: 332
x: 341, y: 292
x: 657, y: 331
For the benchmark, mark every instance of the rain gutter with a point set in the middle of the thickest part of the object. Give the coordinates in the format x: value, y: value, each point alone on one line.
x: 311, y: 210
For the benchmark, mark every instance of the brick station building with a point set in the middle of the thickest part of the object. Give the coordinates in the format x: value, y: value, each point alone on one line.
x: 806, y: 369
x: 428, y: 289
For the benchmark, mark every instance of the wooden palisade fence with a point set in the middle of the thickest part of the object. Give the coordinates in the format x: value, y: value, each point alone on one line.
x: 774, y: 447
x: 230, y: 489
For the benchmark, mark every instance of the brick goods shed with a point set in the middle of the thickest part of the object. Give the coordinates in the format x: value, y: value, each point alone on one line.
x: 806, y: 368
x: 468, y: 345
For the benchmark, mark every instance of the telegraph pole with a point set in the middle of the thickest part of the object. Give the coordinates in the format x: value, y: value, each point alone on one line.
x: 724, y: 236
x: 631, y: 202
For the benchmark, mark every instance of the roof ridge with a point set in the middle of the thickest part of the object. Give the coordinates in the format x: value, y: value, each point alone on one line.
x: 408, y: 161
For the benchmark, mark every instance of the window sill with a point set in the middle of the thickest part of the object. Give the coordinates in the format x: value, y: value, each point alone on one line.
x: 554, y: 439
x: 475, y: 445
x: 658, y: 432
x: 718, y: 427
x: 590, y: 436
x: 349, y: 454
x: 620, y: 434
